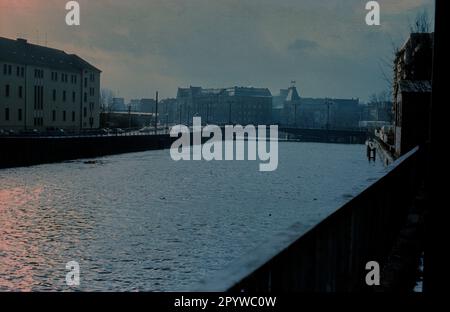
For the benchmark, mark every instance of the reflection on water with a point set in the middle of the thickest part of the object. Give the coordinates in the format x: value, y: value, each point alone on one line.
x: 145, y: 222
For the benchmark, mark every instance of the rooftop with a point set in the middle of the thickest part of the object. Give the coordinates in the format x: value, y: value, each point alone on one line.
x: 415, y: 86
x: 21, y: 52
x: 233, y: 91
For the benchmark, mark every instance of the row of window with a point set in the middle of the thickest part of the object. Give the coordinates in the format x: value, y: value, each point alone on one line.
x: 64, y: 77
x: 39, y: 73
x: 8, y: 70
x: 38, y: 121
x: 7, y: 92
x: 64, y: 96
x: 64, y: 116
x: 7, y: 114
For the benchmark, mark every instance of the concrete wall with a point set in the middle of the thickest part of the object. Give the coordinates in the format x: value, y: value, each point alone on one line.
x: 330, y: 256
x: 27, y: 151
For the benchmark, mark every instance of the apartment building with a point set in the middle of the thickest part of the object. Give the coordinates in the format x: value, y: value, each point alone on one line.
x: 44, y: 88
x: 412, y: 91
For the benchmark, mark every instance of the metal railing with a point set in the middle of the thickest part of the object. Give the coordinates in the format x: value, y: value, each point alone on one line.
x: 331, y: 255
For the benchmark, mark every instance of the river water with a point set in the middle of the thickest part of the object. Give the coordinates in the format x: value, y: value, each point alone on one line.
x: 143, y: 222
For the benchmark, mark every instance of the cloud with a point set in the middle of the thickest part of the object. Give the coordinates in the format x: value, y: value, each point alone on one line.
x: 144, y: 46
x: 302, y: 44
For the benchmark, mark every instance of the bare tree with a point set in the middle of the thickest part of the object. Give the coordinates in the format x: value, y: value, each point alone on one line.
x: 380, y: 98
x: 385, y: 65
x: 422, y: 23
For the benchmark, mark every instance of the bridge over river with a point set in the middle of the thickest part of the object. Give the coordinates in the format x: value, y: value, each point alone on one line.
x: 327, y: 135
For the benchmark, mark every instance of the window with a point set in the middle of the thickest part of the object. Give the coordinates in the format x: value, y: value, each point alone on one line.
x: 64, y: 96
x: 54, y: 115
x: 41, y: 98
x: 85, y: 96
x: 22, y: 71
x: 19, y: 114
x: 38, y: 97
x: 85, y: 82
x: 5, y: 69
x: 18, y: 71
x: 38, y: 121
x: 20, y: 92
x: 64, y: 115
x: 7, y: 90
x: 73, y: 116
x: 54, y: 95
x: 35, y: 97
x: 38, y: 73
x: 85, y: 112
x: 73, y: 97
x: 7, y: 114
x: 9, y: 70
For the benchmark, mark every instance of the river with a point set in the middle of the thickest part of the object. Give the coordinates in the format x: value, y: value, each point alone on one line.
x: 143, y: 222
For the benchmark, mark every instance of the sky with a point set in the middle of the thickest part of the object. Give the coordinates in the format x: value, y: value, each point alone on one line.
x: 160, y: 45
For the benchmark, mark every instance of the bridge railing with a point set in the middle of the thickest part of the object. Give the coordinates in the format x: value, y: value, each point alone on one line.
x: 332, y: 255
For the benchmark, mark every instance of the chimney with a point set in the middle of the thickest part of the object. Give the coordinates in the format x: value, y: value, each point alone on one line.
x: 21, y: 40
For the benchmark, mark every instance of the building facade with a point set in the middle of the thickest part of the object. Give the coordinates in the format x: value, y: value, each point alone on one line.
x: 235, y: 105
x: 412, y: 91
x: 292, y: 110
x: 45, y: 89
x: 286, y: 106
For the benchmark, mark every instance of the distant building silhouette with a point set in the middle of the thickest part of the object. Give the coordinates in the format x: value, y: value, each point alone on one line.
x: 290, y: 109
x: 286, y: 106
x: 235, y: 105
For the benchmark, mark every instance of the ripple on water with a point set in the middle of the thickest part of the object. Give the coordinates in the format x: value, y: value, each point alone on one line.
x: 141, y: 221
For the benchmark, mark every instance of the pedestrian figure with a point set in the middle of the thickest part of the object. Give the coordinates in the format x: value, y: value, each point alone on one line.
x: 371, y: 150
